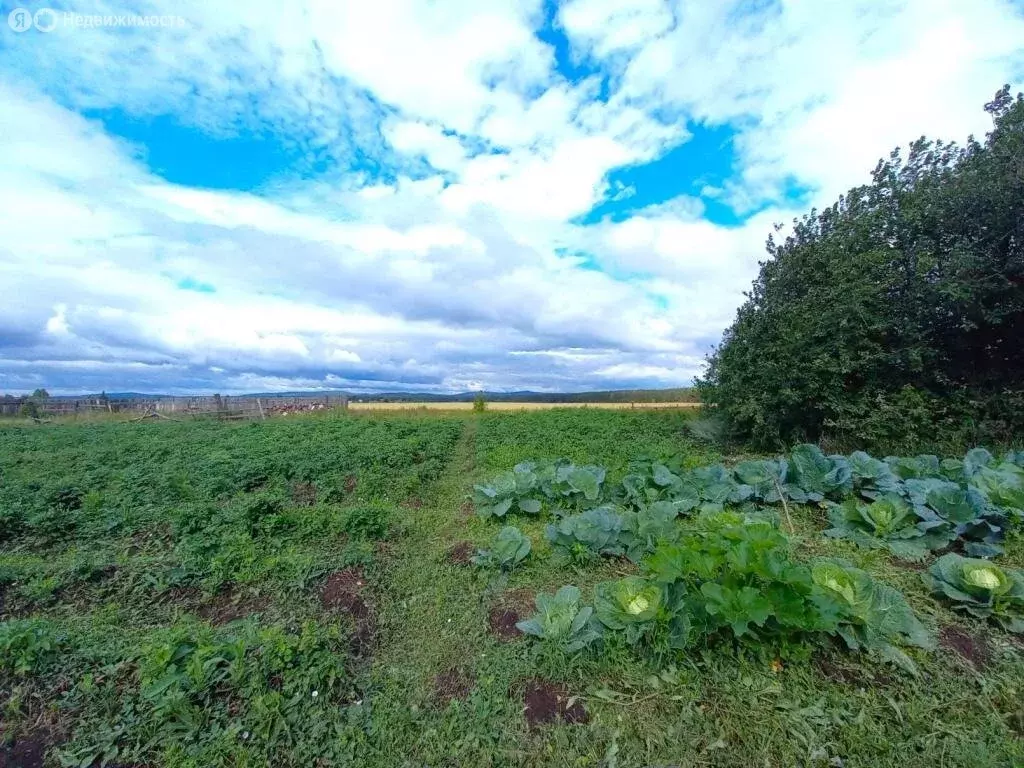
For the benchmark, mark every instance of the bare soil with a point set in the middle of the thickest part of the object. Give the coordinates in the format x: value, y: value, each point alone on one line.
x: 451, y: 685
x: 346, y: 592
x: 513, y: 606
x: 343, y: 592
x: 547, y: 702
x: 832, y: 668
x: 229, y: 605
x: 304, y: 494
x: 502, y: 623
x: 461, y: 553
x: 28, y: 751
x: 971, y: 648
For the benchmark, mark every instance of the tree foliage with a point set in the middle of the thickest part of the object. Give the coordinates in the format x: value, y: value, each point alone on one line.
x: 895, y: 315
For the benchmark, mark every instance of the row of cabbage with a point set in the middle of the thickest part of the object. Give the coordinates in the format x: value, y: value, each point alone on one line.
x: 726, y: 574
x: 910, y: 506
x: 729, y: 579
x: 729, y: 571
x: 723, y: 579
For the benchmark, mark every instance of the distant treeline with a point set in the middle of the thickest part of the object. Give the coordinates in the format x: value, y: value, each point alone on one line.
x: 677, y: 395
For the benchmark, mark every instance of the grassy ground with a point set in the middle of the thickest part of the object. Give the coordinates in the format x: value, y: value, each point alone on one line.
x: 293, y: 592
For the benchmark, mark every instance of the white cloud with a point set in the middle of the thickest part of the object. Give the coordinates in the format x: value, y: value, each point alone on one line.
x: 822, y: 90
x: 442, y: 247
x: 610, y: 26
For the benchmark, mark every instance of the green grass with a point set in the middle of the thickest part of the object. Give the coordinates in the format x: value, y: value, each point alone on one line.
x: 123, y: 546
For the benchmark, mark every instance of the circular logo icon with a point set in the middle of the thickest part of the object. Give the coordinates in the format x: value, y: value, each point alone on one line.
x: 45, y: 19
x: 20, y: 20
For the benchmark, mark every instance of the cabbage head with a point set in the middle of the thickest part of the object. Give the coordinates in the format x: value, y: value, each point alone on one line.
x: 632, y: 600
x: 562, y: 620
x: 980, y: 588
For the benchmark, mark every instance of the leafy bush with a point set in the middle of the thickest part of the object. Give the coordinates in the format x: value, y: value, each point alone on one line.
x: 509, y: 548
x: 561, y: 619
x: 893, y: 317
x: 980, y: 588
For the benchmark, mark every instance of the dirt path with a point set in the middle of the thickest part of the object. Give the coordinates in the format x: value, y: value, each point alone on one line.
x: 430, y: 631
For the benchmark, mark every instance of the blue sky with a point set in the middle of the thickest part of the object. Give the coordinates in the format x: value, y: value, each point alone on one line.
x: 439, y: 196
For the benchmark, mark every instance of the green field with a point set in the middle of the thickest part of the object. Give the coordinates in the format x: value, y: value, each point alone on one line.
x: 297, y: 592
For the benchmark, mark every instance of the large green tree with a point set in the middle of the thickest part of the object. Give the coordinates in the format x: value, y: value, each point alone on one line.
x: 895, y: 316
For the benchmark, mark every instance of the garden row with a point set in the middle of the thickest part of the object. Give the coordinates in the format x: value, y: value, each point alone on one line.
x: 731, y: 570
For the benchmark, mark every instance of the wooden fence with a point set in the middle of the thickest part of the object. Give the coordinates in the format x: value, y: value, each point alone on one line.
x: 244, y: 406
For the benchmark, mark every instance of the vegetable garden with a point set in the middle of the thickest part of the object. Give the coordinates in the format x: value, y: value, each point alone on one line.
x: 548, y: 588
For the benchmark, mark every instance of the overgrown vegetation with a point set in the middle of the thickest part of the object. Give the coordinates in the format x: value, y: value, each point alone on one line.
x: 304, y: 592
x: 892, y: 319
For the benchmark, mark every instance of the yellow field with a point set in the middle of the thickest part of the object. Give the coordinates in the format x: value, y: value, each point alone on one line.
x: 508, y: 406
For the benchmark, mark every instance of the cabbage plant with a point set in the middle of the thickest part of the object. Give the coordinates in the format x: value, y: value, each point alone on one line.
x: 643, y: 529
x: 584, y: 536
x: 949, y: 511
x: 518, y: 490
x: 873, y: 616
x: 1002, y: 485
x: 639, y: 608
x: 888, y: 523
x: 561, y: 619
x: 871, y: 477
x: 509, y: 548
x: 816, y: 475
x: 650, y: 482
x: 765, y: 477
x: 980, y: 588
x: 565, y: 483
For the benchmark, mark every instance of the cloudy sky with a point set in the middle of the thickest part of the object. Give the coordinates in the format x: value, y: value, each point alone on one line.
x: 438, y: 195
